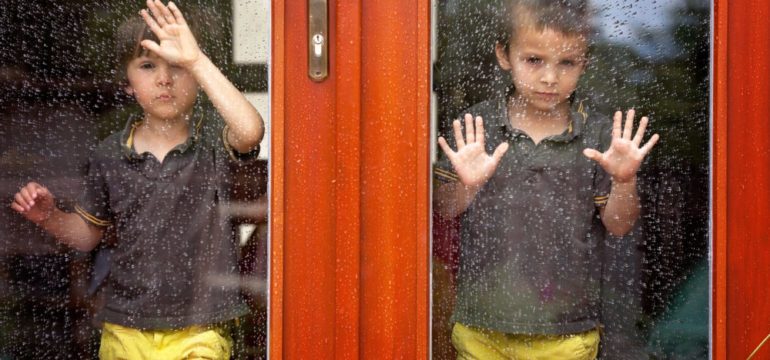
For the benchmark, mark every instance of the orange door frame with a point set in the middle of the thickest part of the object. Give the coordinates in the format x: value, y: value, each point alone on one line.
x: 741, y: 178
x: 350, y: 182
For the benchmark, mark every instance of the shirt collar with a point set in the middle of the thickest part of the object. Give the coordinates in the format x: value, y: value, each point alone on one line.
x: 578, y: 117
x: 127, y: 134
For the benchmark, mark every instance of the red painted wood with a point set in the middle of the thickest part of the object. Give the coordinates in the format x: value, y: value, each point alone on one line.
x: 747, y: 184
x: 350, y: 209
x: 395, y: 189
x: 308, y: 211
x: 277, y: 160
x: 347, y: 73
x: 719, y: 178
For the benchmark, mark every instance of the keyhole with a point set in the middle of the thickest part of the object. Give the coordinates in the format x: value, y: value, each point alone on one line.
x: 318, y: 41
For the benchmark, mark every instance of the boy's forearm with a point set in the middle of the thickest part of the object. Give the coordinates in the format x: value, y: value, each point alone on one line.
x: 71, y: 230
x: 245, y: 123
x: 452, y: 199
x: 622, y: 208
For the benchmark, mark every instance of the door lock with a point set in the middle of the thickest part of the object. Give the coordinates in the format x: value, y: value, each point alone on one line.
x: 318, y: 44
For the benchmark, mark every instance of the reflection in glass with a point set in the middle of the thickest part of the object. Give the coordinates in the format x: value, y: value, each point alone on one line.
x: 653, y: 57
x: 59, y: 98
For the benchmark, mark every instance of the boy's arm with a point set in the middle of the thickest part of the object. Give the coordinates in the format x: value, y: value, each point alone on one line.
x: 622, y: 208
x: 472, y: 165
x: 245, y: 125
x: 453, y: 198
x: 37, y: 204
x: 178, y: 46
x: 621, y: 161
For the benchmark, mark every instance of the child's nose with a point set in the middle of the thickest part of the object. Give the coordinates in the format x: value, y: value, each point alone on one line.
x: 164, y: 76
x: 550, y: 75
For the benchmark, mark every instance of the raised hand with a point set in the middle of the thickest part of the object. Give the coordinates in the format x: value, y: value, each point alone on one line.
x: 471, y: 162
x: 625, y: 155
x: 35, y: 202
x: 177, y: 43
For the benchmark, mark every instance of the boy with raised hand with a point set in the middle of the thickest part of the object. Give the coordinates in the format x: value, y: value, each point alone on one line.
x: 536, y: 195
x: 158, y: 184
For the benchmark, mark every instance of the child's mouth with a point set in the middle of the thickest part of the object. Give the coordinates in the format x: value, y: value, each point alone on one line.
x: 546, y: 95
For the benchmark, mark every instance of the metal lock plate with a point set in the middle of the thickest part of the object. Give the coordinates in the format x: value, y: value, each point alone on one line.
x: 318, y: 40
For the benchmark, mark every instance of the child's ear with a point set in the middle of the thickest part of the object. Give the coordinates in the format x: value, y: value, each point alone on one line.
x: 128, y: 90
x: 503, y: 58
x: 586, y: 63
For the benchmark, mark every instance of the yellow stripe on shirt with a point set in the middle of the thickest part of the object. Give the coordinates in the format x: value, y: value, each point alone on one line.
x: 90, y: 218
x: 445, y: 175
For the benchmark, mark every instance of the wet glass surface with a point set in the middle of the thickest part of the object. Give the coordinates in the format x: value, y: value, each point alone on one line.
x: 653, y: 292
x: 58, y: 99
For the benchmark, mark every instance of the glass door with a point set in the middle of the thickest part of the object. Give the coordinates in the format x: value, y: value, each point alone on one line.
x: 652, y: 291
x: 61, y: 96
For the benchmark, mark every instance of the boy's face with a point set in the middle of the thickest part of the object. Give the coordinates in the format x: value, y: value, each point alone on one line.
x: 545, y: 66
x: 164, y: 91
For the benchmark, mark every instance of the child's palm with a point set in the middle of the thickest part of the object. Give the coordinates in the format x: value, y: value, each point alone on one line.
x: 471, y: 162
x: 177, y: 43
x: 625, y: 155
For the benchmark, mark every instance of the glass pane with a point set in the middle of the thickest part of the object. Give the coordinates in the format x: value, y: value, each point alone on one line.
x: 134, y: 152
x: 525, y: 248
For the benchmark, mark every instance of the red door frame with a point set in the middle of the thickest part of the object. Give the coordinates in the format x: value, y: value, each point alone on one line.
x: 741, y: 178
x: 350, y: 184
x: 349, y: 274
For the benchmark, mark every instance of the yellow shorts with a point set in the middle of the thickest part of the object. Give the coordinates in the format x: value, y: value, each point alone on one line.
x: 476, y: 343
x: 194, y: 342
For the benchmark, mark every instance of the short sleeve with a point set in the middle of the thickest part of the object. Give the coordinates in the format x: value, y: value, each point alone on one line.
x: 92, y: 205
x: 602, y: 180
x: 234, y: 154
x: 443, y: 170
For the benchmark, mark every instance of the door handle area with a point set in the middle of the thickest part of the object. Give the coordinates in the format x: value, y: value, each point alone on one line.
x: 318, y: 40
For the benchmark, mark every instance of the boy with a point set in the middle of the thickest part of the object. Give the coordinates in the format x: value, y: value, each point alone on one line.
x: 157, y: 185
x: 532, y: 216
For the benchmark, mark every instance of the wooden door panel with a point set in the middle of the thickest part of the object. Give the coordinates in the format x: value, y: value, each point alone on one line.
x: 350, y: 184
x: 349, y: 255
x: 741, y: 182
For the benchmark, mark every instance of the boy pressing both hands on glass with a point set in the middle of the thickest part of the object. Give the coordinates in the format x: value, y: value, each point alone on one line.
x: 158, y: 183
x: 536, y: 195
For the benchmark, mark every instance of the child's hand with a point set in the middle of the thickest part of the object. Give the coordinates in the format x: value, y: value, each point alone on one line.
x: 35, y: 202
x: 471, y: 162
x: 625, y: 155
x: 177, y: 43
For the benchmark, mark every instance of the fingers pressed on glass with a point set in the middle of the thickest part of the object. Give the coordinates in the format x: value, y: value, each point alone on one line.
x: 444, y: 146
x: 500, y: 151
x: 480, y: 130
x: 469, y: 135
x: 167, y: 15
x: 616, y: 124
x: 648, y: 146
x: 640, y: 131
x: 629, y: 129
x: 458, y: 134
x: 177, y: 13
x: 150, y: 21
x: 156, y: 13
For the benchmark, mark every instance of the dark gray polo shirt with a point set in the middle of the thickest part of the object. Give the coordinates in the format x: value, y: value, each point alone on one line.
x: 528, y: 252
x: 175, y: 255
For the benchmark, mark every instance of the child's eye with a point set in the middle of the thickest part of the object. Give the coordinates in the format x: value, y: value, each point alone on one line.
x: 568, y: 62
x: 146, y: 66
x: 534, y: 60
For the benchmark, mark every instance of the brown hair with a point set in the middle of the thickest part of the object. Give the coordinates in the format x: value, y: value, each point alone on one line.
x: 566, y: 16
x: 132, y: 32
